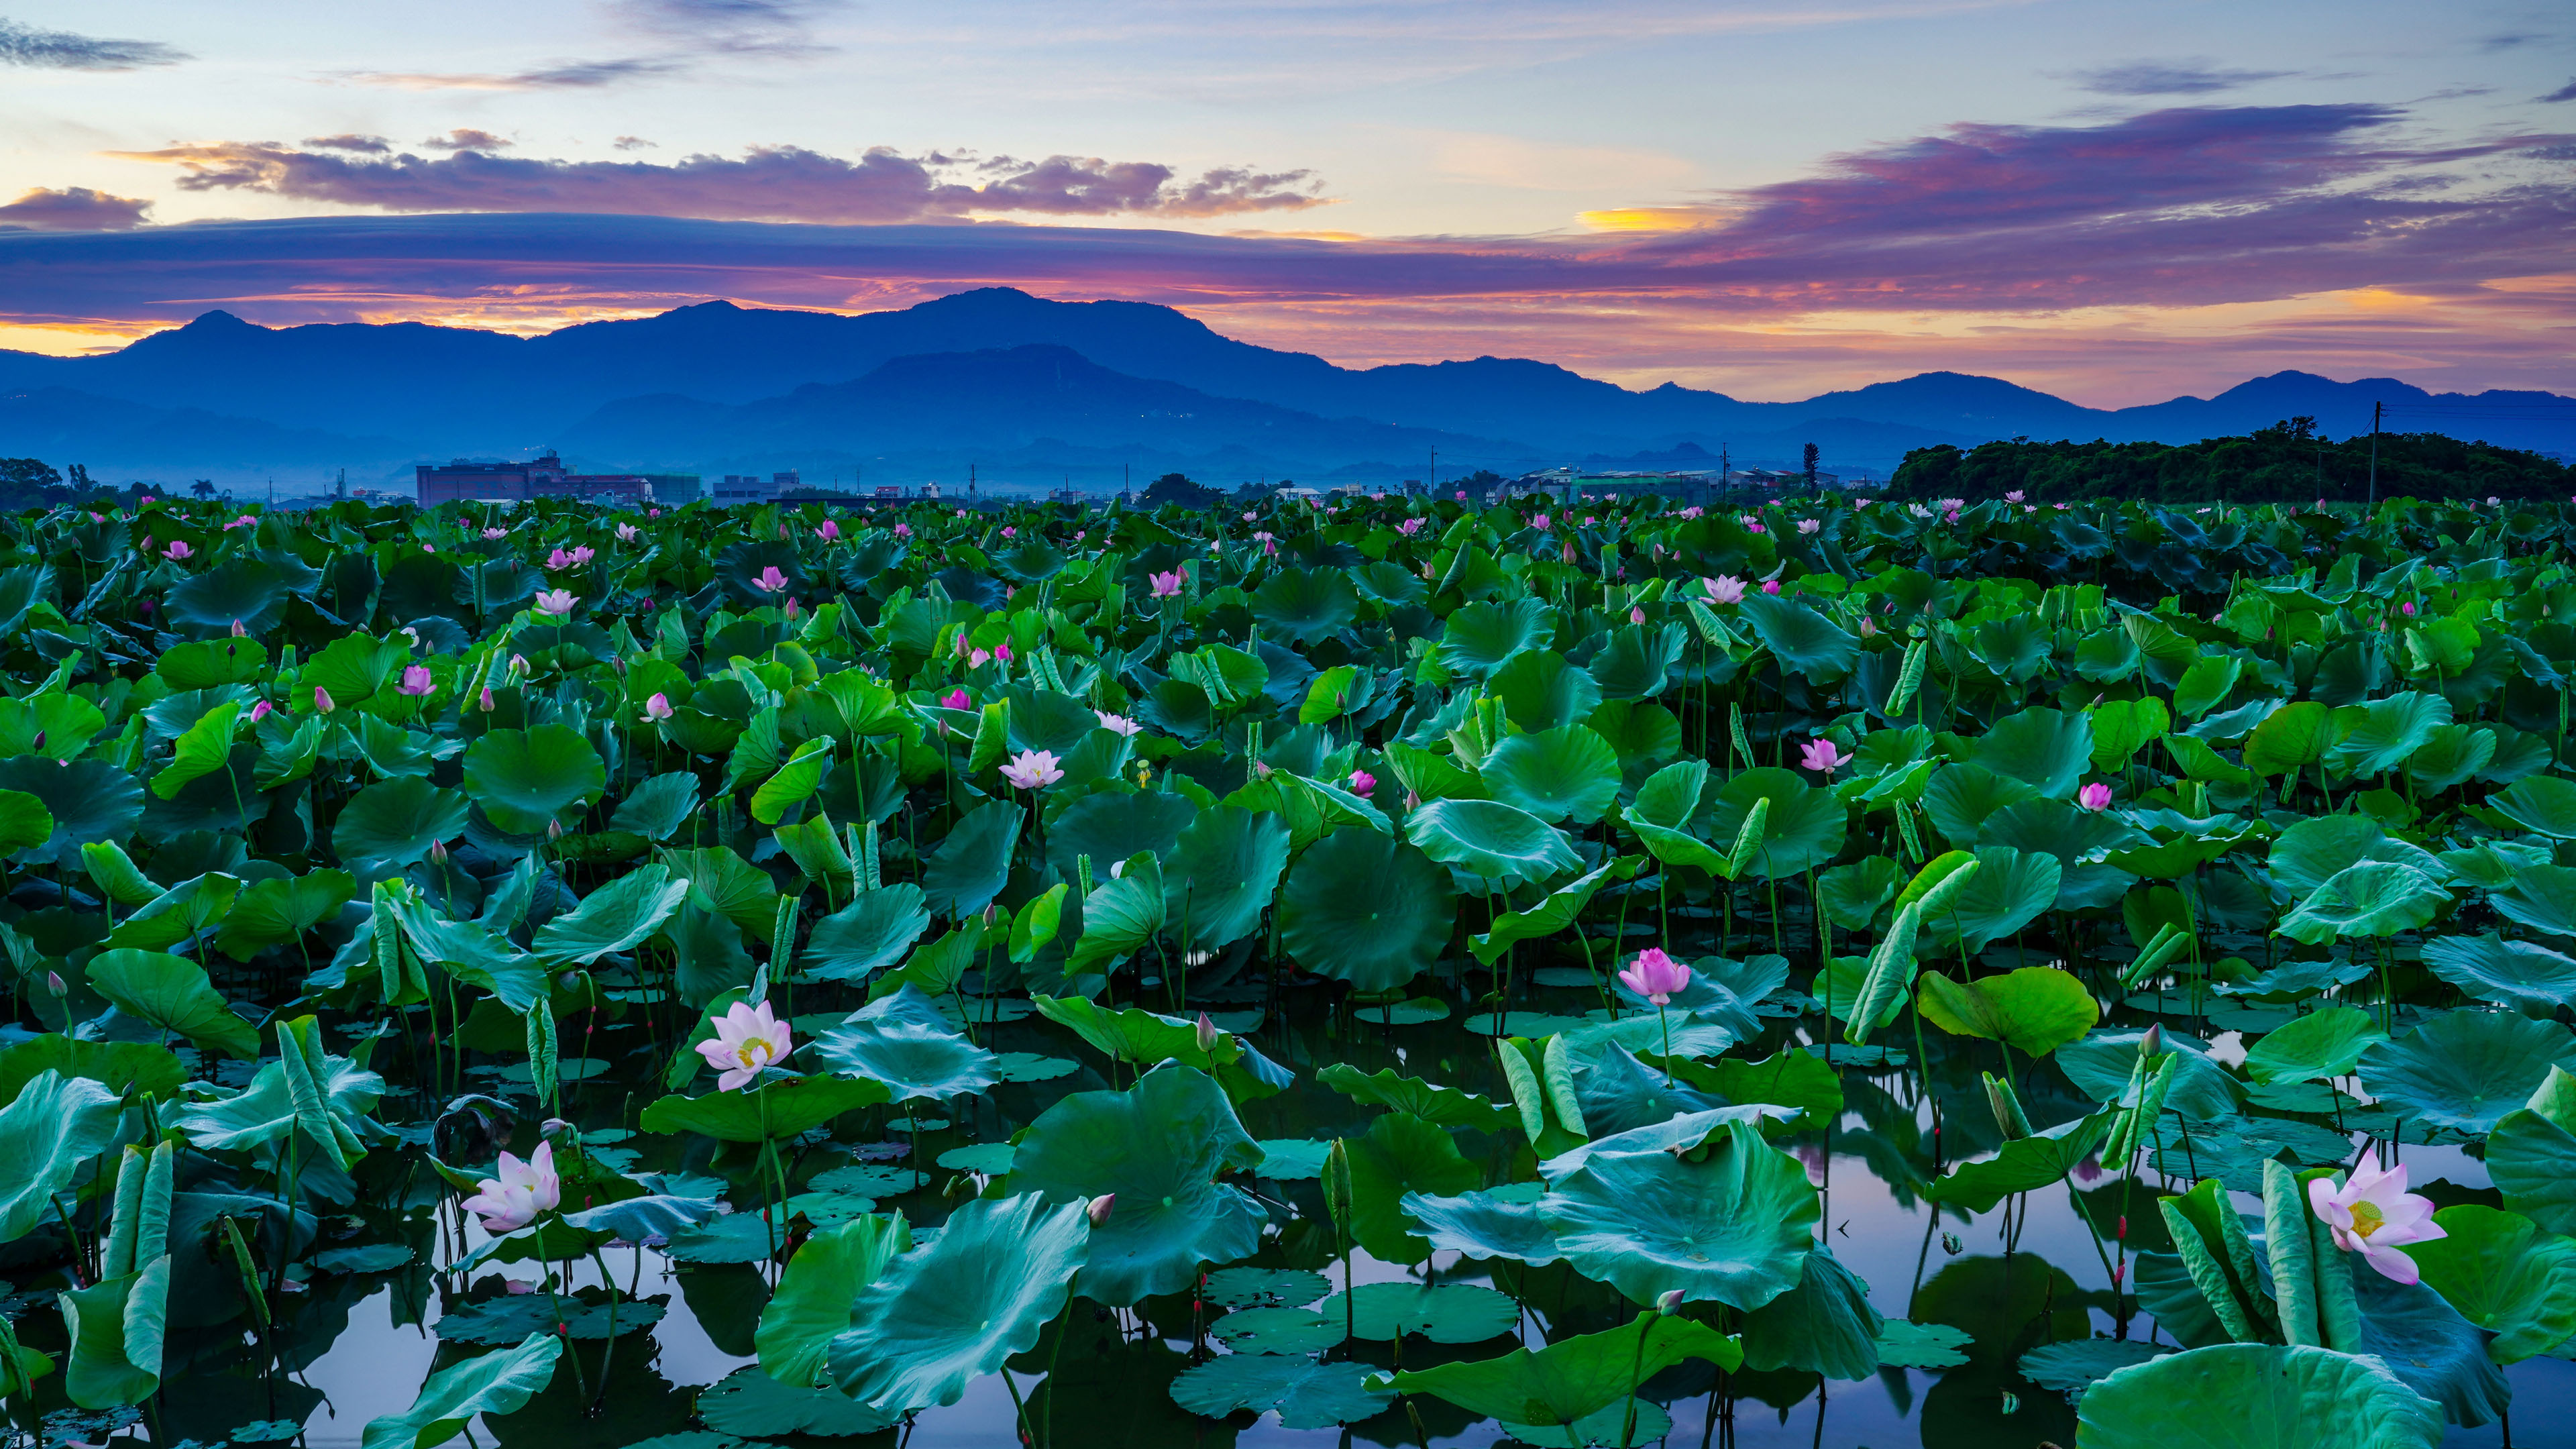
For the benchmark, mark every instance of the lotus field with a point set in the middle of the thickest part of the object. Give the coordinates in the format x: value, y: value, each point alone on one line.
x: 1386, y: 972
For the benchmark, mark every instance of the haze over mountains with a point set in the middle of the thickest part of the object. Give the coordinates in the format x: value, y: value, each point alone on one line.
x: 1028, y: 390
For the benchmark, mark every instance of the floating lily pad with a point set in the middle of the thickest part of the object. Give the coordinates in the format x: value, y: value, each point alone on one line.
x: 1449, y: 1313
x: 1264, y: 1287
x: 1276, y: 1330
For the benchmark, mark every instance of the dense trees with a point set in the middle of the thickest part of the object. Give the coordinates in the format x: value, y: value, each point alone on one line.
x: 2286, y: 462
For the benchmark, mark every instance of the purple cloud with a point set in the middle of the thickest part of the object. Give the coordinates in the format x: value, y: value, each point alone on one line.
x: 781, y: 183
x: 74, y: 208
x: 2566, y: 92
x: 64, y: 50
x: 2170, y: 78
x: 565, y: 75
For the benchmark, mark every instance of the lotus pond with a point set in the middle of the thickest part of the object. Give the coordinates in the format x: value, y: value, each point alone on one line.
x: 1389, y: 972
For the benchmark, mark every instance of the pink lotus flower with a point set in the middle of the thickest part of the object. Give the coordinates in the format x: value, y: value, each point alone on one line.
x: 2096, y: 796
x: 559, y: 560
x: 245, y: 521
x: 2374, y: 1214
x: 1821, y: 756
x: 903, y: 530
x: 628, y: 533
x: 261, y: 711
x: 1168, y: 586
x: 978, y: 659
x: 322, y: 700
x: 1362, y: 783
x: 1409, y: 526
x: 1118, y: 722
x: 956, y: 699
x: 555, y: 601
x: 2407, y: 609
x: 416, y: 681
x: 652, y: 513
x: 658, y: 707
x: 1010, y: 533
x: 1031, y: 769
x: 519, y: 1192
x: 1693, y: 511
x: 1636, y: 615
x: 2015, y: 496
x: 1808, y: 525
x: 1724, y: 589
x: 583, y: 554
x: 830, y: 530
x: 179, y: 549
x: 496, y: 533
x: 748, y: 1041
x: 429, y: 548
x: 1770, y: 586
x: 770, y: 580
x: 1002, y: 651
x: 1538, y: 520
x: 1655, y: 976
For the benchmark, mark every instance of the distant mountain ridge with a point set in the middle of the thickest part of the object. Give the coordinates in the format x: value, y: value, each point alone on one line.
x: 716, y: 385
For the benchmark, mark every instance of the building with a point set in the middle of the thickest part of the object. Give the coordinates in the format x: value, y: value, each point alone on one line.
x: 676, y: 488
x: 470, y: 481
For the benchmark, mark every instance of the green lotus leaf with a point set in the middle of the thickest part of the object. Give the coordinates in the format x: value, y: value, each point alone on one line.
x: 2314, y: 851
x: 120, y: 1065
x: 1920, y: 1345
x: 812, y: 1304
x: 174, y: 994
x: 1116, y: 824
x: 1963, y: 800
x: 792, y: 1105
x: 1264, y: 1287
x: 1276, y: 1331
x: 1805, y: 642
x: 2290, y: 738
x: 1732, y: 1227
x: 2466, y: 1069
x: 1400, y: 1154
x: 657, y: 808
x: 1557, y: 774
x: 1224, y: 869
x: 305, y: 1090
x: 2427, y: 1343
x: 53, y: 1126
x: 1439, y: 1105
x: 2524, y: 975
x: 527, y: 779
x: 2542, y: 804
x: 970, y: 865
x: 872, y: 932
x: 749, y: 1402
x: 1557, y: 911
x: 1305, y: 1394
x: 2045, y: 749
x: 1448, y: 1313
x: 2327, y: 1042
x: 613, y: 918
x: 1366, y: 908
x: 1575, y: 1377
x: 2100, y: 1064
x: 65, y: 722
x: 392, y: 824
x: 2370, y: 899
x: 902, y: 1041
x: 2009, y: 891
x: 1306, y: 605
x: 242, y: 591
x: 2274, y: 1398
x: 1481, y: 638
x: 1541, y: 691
x: 1803, y: 830
x: 2077, y: 1364
x: 1490, y: 840
x: 2034, y: 1010
x: 275, y: 912
x: 2453, y: 756
x: 495, y: 1384
x: 2025, y: 1164
x: 1159, y: 1146
x: 117, y: 1330
x: 89, y: 800
x: 2505, y: 1275
x: 1486, y: 1225
x: 942, y: 1316
x: 2378, y: 735
x: 512, y: 1318
x: 2542, y: 897
x: 1824, y: 1325
x: 186, y: 910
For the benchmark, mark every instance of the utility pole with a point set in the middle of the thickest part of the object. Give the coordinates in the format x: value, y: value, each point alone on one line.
x: 2375, y: 410
x: 1434, y: 484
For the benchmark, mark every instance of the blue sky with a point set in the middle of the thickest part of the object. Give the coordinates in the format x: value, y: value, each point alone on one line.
x: 2115, y: 201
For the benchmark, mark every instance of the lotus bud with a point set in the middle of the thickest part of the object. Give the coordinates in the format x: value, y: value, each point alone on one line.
x: 1100, y: 1209
x: 553, y: 1127
x: 258, y: 712
x: 1206, y: 1034
x: 40, y: 736
x: 438, y: 852
x: 1668, y: 1302
x: 54, y: 983
x: 488, y: 705
x: 2006, y: 1106
x: 2152, y: 1045
x: 1337, y: 1180
x: 518, y: 665
x: 554, y: 830
x: 238, y: 630
x: 322, y: 699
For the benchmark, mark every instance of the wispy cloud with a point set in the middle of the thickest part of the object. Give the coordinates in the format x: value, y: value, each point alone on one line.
x: 2566, y: 92
x: 2170, y: 78
x: 65, y: 50
x: 350, y: 141
x: 74, y: 208
x: 466, y: 138
x: 782, y: 183
x: 573, y: 75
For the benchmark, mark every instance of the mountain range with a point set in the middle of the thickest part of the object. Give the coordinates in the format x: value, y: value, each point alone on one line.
x: 1027, y: 391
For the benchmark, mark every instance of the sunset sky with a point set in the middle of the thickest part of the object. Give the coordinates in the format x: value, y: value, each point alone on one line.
x: 2116, y: 202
